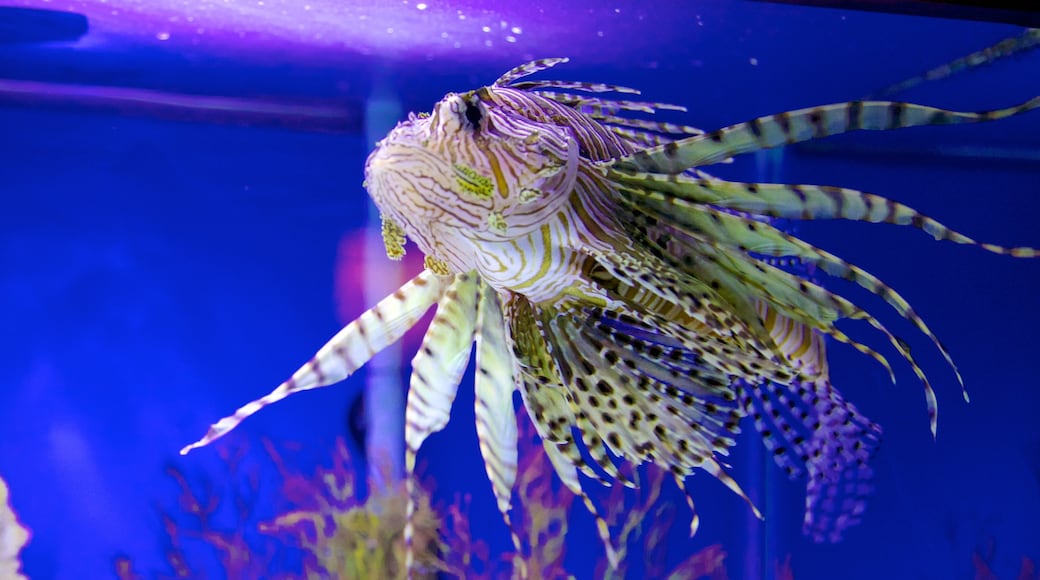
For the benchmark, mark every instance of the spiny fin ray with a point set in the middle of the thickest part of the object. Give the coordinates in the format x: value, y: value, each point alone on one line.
x: 496, y: 418
x: 352, y: 347
x: 437, y: 370
x: 801, y: 125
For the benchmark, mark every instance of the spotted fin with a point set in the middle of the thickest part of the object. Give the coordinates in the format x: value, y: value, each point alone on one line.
x: 812, y: 427
x: 657, y: 420
x: 573, y: 378
x: 550, y: 407
x: 544, y: 396
x: 351, y: 348
x: 637, y: 378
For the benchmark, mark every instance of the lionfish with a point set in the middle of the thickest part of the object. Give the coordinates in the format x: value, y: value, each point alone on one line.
x: 641, y: 307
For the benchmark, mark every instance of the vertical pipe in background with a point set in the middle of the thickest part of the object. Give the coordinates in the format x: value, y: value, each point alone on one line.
x: 761, y: 557
x: 384, y: 391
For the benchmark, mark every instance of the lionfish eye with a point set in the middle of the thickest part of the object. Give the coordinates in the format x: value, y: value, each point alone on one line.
x: 473, y: 113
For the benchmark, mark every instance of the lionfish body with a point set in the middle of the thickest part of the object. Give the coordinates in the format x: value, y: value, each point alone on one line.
x: 637, y: 304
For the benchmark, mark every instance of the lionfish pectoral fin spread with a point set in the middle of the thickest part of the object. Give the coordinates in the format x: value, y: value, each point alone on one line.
x: 352, y: 347
x: 749, y: 235
x: 808, y: 426
x: 730, y: 214
x: 755, y: 290
x: 550, y: 406
x: 800, y: 125
x: 661, y: 398
x: 803, y: 202
x: 495, y: 384
x: 437, y: 370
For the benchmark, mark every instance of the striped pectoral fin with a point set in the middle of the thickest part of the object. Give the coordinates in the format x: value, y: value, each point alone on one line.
x: 748, y: 235
x: 807, y: 202
x: 648, y: 284
x: 698, y: 259
x: 578, y: 374
x: 1027, y: 40
x: 496, y: 417
x: 800, y: 125
x: 437, y: 370
x: 351, y: 348
x: 741, y: 280
x: 704, y: 246
x: 799, y: 308
x: 780, y: 293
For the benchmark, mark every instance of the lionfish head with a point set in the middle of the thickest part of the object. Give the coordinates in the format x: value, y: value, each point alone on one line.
x: 476, y: 169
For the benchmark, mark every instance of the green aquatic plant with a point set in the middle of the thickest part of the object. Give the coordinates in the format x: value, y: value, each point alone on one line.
x: 339, y: 533
x: 345, y: 538
x: 334, y: 532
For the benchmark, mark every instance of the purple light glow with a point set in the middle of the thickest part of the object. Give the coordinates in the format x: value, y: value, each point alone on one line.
x: 326, y: 29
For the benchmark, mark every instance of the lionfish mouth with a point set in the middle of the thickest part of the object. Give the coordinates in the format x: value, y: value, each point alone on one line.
x: 639, y: 305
